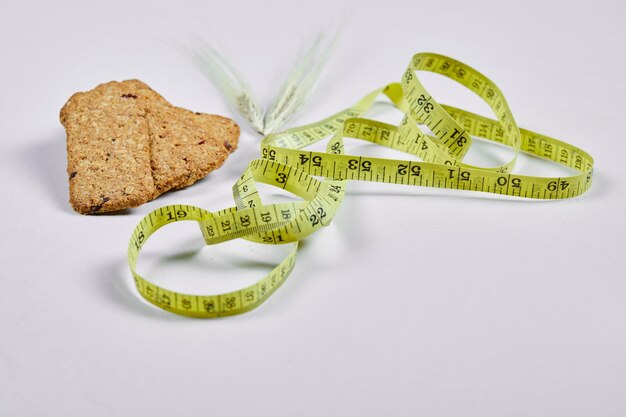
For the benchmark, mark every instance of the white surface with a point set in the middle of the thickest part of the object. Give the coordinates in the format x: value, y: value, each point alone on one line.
x: 467, y: 306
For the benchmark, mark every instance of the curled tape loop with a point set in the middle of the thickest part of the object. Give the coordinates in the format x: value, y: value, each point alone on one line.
x: 286, y: 165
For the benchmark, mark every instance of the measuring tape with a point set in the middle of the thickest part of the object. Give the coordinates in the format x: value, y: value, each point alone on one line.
x: 286, y: 165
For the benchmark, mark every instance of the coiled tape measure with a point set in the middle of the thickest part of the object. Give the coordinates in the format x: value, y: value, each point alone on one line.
x: 286, y: 165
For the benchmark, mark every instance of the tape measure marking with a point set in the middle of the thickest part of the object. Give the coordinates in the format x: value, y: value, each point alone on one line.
x: 284, y: 164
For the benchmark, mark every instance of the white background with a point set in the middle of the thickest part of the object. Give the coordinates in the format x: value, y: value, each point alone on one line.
x: 451, y: 304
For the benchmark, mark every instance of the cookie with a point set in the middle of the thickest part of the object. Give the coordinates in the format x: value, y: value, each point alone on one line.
x: 186, y: 146
x: 126, y: 145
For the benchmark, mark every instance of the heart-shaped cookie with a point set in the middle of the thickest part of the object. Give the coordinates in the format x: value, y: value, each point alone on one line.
x: 126, y: 145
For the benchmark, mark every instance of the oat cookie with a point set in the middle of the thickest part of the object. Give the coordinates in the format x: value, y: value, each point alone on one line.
x: 126, y: 145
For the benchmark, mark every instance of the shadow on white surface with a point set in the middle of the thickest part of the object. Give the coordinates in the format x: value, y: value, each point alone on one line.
x: 46, y: 162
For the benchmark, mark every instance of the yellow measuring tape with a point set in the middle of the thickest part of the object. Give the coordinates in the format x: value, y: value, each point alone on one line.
x: 285, y: 165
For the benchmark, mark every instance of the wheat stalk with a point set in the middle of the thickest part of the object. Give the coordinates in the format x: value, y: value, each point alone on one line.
x: 291, y: 96
x: 299, y: 83
x: 231, y: 83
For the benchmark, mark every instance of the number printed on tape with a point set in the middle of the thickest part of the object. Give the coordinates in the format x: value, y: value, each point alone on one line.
x: 285, y: 164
